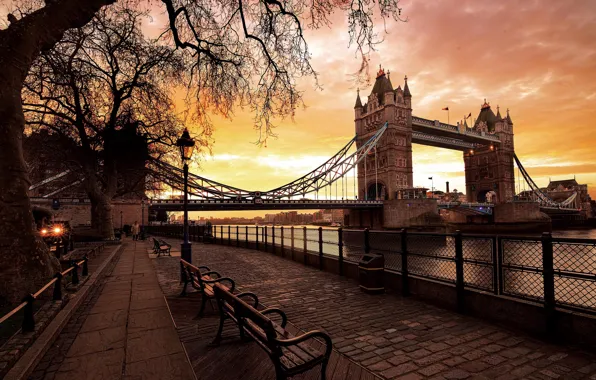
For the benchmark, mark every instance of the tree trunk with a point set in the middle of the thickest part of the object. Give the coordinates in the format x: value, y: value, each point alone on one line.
x: 101, y: 215
x: 25, y: 263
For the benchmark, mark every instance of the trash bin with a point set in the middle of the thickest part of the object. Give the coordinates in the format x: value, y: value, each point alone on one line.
x: 371, y: 272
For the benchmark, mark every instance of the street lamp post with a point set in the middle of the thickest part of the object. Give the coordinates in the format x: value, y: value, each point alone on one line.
x: 186, y: 146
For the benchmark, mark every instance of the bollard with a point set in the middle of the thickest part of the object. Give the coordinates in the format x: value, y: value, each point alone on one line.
x: 28, y: 319
x: 57, y: 296
x: 405, y: 285
x: 75, y: 272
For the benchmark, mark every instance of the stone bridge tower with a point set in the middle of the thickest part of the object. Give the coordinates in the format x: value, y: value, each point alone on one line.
x: 489, y: 170
x: 392, y: 169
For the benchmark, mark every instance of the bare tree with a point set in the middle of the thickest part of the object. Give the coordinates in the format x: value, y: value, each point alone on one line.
x: 106, y: 91
x: 240, y: 53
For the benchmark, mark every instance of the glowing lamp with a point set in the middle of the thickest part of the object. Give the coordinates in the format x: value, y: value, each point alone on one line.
x: 186, y: 145
x: 44, y: 231
x: 57, y: 230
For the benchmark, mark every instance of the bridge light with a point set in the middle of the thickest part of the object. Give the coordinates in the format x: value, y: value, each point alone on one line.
x: 186, y: 145
x: 492, y: 147
x: 471, y: 151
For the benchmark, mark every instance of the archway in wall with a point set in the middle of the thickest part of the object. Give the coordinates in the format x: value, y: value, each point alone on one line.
x: 486, y: 196
x: 377, y: 191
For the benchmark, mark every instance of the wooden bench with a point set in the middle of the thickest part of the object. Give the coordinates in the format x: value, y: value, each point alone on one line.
x: 161, y: 247
x: 290, y: 354
x: 202, y: 279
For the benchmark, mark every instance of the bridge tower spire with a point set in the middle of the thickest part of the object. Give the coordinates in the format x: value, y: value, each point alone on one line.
x: 489, y: 169
x: 391, y: 170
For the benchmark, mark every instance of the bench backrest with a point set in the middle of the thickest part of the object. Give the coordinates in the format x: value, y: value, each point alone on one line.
x: 193, y: 273
x: 155, y: 243
x: 258, y: 325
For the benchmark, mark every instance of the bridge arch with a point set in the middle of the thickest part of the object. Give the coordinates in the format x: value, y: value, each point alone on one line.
x: 377, y: 189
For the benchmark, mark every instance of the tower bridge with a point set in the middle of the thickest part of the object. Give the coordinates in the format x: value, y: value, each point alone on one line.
x: 373, y: 173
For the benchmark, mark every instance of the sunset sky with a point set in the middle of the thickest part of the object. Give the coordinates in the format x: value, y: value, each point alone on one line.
x: 537, y: 58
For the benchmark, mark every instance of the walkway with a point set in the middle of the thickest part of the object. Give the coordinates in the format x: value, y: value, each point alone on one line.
x: 390, y: 335
x: 124, y: 330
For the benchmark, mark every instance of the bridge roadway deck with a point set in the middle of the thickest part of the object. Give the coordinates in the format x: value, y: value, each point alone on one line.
x: 392, y: 336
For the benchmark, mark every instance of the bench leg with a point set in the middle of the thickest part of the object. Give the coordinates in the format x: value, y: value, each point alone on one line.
x: 217, y: 338
x: 184, y: 289
x: 203, y: 302
x: 324, y: 369
x: 279, y: 373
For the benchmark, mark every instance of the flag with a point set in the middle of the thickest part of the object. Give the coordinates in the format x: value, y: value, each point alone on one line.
x: 430, y: 178
x: 470, y: 115
x: 445, y: 109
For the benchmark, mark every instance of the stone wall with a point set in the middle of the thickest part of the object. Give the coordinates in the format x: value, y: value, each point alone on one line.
x: 81, y: 214
x: 518, y: 212
x: 402, y: 213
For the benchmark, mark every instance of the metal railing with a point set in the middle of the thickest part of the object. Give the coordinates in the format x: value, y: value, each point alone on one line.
x: 28, y: 324
x: 555, y: 272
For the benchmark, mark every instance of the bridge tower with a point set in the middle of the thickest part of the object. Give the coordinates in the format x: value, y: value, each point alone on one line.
x: 489, y: 170
x: 392, y: 169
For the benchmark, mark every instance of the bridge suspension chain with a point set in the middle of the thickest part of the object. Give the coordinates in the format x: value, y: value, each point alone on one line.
x: 331, y: 171
x: 537, y: 193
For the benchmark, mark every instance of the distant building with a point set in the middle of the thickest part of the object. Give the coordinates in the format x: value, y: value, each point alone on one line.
x: 560, y: 191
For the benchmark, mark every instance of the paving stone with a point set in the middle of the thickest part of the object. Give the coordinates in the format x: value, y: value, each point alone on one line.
x: 523, y: 371
x: 456, y: 374
x: 399, y: 370
x: 474, y: 366
x: 419, y: 353
x: 493, y: 359
x: 397, y: 360
x: 453, y: 361
x: 432, y: 369
x: 380, y: 366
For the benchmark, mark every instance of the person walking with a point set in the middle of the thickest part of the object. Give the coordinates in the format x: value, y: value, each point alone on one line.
x: 135, y: 230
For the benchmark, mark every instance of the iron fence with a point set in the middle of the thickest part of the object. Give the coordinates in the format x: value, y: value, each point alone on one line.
x: 556, y: 272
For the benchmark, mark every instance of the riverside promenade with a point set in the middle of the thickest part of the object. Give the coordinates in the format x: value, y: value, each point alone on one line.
x: 123, y: 331
x: 388, y: 335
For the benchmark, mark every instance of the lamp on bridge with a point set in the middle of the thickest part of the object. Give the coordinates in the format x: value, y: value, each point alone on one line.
x: 186, y: 146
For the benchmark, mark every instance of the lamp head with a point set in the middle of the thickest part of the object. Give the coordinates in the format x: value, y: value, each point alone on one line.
x: 186, y: 145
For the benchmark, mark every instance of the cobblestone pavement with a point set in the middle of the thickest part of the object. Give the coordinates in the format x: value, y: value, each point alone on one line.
x: 393, y: 336
x: 123, y: 329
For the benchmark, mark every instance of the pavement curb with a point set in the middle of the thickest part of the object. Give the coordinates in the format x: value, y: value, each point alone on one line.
x: 27, y: 363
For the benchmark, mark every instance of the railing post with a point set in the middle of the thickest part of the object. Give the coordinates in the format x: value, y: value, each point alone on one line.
x: 340, y: 248
x: 305, y: 247
x: 549, y: 282
x: 85, y: 266
x: 246, y: 236
x: 366, y: 241
x: 237, y: 237
x: 292, y: 241
x: 28, y: 319
x: 500, y: 254
x: 320, y: 247
x: 257, y: 238
x: 75, y: 272
x: 265, y: 238
x: 405, y: 283
x: 459, y: 271
x: 281, y: 237
x: 221, y: 234
x: 229, y: 235
x: 495, y: 266
x: 57, y: 296
x: 273, y: 238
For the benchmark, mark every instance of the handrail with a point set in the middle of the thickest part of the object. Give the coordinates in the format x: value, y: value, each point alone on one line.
x: 32, y: 297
